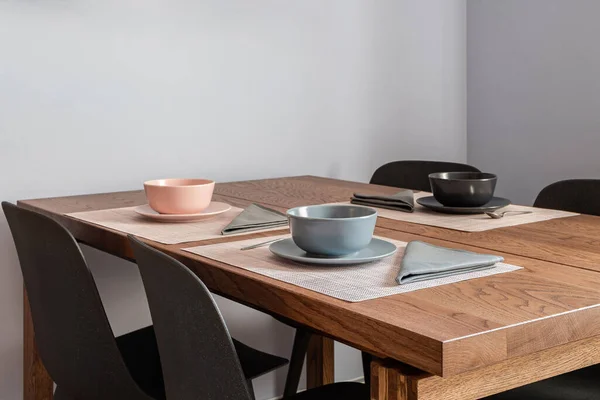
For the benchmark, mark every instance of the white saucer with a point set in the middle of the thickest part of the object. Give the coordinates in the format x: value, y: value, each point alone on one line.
x: 376, y: 250
x: 215, y: 208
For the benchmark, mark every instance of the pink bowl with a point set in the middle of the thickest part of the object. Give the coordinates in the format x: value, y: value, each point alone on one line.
x: 179, y: 196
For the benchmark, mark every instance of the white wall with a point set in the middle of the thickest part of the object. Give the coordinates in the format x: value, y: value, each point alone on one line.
x: 99, y: 96
x: 533, y: 92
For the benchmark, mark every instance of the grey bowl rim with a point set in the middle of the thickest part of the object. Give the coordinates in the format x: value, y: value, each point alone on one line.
x: 436, y: 175
x: 373, y: 213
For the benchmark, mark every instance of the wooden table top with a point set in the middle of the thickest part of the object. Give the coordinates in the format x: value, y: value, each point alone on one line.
x: 446, y: 330
x: 571, y: 241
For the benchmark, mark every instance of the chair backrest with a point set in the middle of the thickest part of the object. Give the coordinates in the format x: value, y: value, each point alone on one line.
x: 576, y: 195
x: 72, y: 332
x: 414, y: 174
x: 197, y: 354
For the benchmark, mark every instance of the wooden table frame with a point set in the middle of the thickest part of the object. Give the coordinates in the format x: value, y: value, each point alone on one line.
x: 470, y: 351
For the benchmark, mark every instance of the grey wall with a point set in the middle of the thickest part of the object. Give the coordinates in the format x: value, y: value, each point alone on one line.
x: 533, y: 91
x: 100, y: 96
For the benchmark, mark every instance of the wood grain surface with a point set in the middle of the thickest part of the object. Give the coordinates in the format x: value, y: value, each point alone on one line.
x: 392, y: 380
x: 571, y: 241
x: 320, y: 356
x: 447, y: 330
x: 507, y: 374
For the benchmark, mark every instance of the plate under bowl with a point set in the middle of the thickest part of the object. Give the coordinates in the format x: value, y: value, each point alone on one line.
x: 376, y: 250
x: 215, y: 208
x: 493, y: 205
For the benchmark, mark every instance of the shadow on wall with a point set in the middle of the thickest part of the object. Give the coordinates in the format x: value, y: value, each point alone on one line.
x: 533, y: 92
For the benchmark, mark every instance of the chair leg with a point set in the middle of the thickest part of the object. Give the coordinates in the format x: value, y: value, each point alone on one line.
x: 301, y: 340
x: 366, y: 364
x: 251, y: 389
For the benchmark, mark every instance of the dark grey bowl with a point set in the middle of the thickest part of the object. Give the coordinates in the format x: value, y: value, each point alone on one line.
x: 332, y: 229
x: 463, y: 189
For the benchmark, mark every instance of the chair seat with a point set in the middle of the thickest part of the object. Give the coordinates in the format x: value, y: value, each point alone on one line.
x: 140, y: 353
x: 583, y: 384
x: 255, y: 362
x: 342, y: 390
x: 60, y: 394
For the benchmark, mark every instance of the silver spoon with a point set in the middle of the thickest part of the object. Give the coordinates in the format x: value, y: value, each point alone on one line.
x: 254, y: 246
x: 498, y: 215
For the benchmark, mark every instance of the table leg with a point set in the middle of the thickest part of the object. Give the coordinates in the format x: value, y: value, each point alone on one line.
x: 37, y: 384
x: 394, y: 381
x: 319, y: 362
x: 388, y: 383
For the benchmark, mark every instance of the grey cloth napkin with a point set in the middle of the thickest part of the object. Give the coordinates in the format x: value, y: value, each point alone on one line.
x: 401, y: 201
x: 423, y: 261
x: 255, y: 218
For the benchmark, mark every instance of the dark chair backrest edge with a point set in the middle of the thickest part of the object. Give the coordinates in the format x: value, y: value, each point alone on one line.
x: 73, y: 334
x: 413, y: 174
x: 198, y: 357
x: 575, y: 195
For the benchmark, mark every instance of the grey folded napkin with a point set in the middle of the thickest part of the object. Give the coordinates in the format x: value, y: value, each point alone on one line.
x: 255, y: 218
x: 423, y: 261
x: 401, y: 201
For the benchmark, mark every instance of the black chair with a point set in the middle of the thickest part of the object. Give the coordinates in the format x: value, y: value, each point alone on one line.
x: 197, y: 354
x: 575, y: 195
x: 74, y: 337
x: 414, y: 174
x: 72, y: 332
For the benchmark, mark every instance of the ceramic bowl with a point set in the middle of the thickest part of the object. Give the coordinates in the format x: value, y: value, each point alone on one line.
x: 179, y: 196
x: 463, y: 189
x: 332, y: 230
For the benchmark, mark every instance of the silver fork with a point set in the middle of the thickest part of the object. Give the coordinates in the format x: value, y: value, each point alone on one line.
x: 498, y: 215
x: 254, y: 246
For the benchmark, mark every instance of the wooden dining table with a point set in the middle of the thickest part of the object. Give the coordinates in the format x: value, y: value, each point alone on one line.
x: 463, y: 340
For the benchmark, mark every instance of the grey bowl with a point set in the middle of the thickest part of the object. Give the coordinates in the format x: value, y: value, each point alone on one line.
x: 332, y: 230
x: 463, y: 189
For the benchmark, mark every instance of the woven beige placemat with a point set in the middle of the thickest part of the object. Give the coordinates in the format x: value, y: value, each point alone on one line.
x: 351, y: 283
x: 128, y: 221
x: 472, y: 223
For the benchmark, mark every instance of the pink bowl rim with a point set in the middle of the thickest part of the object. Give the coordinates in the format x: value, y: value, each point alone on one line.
x: 201, y: 182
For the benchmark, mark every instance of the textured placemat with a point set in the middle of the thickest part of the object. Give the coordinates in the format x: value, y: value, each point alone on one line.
x: 128, y: 221
x: 351, y: 283
x: 471, y: 223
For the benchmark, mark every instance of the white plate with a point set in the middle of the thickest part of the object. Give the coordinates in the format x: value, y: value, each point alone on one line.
x: 376, y: 250
x: 215, y: 208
